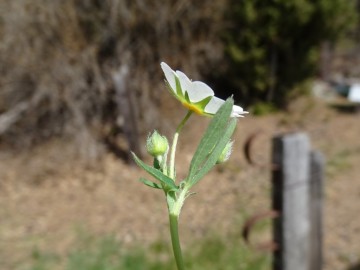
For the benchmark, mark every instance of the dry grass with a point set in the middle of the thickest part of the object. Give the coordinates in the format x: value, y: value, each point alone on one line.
x: 46, y: 195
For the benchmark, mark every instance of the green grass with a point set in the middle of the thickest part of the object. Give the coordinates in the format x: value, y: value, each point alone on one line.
x: 108, y: 254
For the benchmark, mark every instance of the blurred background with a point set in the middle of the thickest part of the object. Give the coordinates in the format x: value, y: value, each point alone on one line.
x: 81, y: 85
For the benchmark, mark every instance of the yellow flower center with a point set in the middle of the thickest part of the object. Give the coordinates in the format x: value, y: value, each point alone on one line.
x: 193, y: 108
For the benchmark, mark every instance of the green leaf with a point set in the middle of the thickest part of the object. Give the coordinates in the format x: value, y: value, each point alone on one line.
x: 211, y: 137
x: 156, y: 173
x: 215, y: 153
x: 150, y: 183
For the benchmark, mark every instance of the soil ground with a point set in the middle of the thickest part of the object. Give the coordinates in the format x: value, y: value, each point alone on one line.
x: 46, y: 196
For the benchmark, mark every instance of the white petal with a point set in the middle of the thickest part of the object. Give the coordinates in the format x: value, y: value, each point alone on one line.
x: 169, y: 75
x: 199, y: 91
x: 214, y: 105
x: 185, y: 82
x: 237, y: 111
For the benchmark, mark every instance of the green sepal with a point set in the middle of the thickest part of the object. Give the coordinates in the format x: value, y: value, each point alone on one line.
x: 171, y: 90
x: 150, y: 183
x: 178, y: 88
x: 211, y: 137
x: 167, y: 181
x: 202, y: 103
x: 187, y: 98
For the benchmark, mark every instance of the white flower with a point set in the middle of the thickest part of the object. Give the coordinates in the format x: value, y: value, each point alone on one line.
x: 195, y: 95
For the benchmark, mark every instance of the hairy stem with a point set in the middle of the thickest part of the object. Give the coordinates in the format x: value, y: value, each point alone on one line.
x: 174, y: 143
x: 174, y: 231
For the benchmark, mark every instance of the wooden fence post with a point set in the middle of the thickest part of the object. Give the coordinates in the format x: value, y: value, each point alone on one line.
x: 298, y: 181
x: 291, y: 198
x: 316, y: 203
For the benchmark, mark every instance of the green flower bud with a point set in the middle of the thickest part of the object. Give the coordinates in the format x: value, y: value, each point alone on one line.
x: 225, y: 154
x: 156, y: 145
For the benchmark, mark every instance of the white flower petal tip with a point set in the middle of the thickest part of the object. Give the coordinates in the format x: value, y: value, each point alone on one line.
x: 169, y: 75
x: 238, y: 111
x: 237, y: 114
x: 195, y: 95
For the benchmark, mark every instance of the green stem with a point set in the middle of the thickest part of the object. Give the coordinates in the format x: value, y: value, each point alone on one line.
x: 174, y: 214
x: 174, y: 230
x: 174, y: 143
x: 174, y: 203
